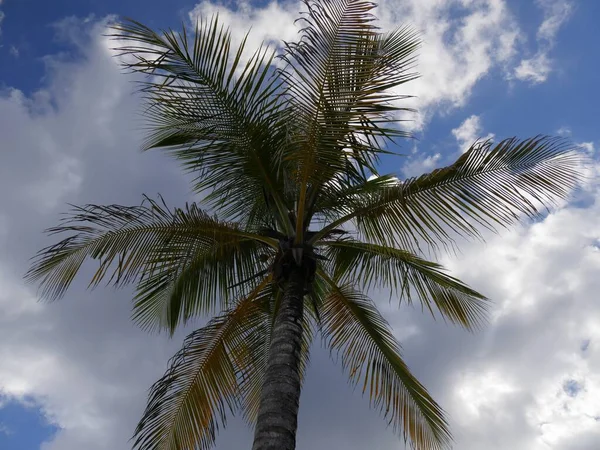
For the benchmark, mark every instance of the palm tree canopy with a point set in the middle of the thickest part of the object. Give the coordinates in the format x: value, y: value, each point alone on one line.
x: 284, y: 155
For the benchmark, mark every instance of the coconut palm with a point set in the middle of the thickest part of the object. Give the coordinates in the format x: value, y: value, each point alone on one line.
x: 295, y: 227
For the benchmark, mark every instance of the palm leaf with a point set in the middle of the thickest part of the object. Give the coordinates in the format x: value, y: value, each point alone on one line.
x: 336, y: 200
x: 488, y: 186
x: 353, y: 327
x: 190, y: 402
x: 147, y: 244
x: 194, y: 279
x: 222, y: 119
x: 408, y: 276
x: 338, y: 77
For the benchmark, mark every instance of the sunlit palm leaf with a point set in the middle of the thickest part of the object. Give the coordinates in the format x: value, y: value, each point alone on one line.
x: 370, y: 354
x: 222, y: 119
x: 190, y: 402
x: 336, y: 201
x: 488, y: 186
x: 405, y: 274
x: 339, y: 75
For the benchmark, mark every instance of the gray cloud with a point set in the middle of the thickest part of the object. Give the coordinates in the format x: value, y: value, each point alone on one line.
x: 89, y: 368
x: 75, y: 141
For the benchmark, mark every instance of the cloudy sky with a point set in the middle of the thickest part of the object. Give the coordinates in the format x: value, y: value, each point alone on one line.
x: 74, y: 374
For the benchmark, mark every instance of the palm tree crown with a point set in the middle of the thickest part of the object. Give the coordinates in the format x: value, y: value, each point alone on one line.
x: 286, y: 154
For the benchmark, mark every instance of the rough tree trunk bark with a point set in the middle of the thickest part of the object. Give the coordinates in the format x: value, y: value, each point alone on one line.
x: 278, y: 411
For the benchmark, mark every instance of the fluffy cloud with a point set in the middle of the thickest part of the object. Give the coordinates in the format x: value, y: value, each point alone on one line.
x: 537, y: 68
x: 470, y: 131
x: 530, y: 378
x: 564, y: 131
x: 588, y: 147
x: 463, y: 41
x: 556, y: 13
x: 269, y: 24
x: 74, y: 141
x: 418, y: 164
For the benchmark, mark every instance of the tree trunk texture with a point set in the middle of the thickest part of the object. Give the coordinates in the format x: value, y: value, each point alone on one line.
x: 277, y: 419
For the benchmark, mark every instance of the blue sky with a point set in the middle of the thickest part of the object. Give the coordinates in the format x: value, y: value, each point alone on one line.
x: 23, y: 427
x: 74, y: 374
x: 542, y: 108
x: 34, y: 35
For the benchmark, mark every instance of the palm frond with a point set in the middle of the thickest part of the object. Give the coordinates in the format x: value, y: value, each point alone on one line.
x: 339, y: 75
x: 223, y: 120
x: 488, y: 186
x: 187, y: 280
x: 336, y: 199
x: 191, y: 401
x: 408, y: 276
x: 370, y: 354
x: 147, y: 244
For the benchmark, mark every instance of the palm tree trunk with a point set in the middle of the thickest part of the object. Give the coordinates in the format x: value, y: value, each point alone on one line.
x: 278, y: 410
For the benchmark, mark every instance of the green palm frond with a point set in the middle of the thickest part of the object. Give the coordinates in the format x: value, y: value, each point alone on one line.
x: 187, y: 280
x: 370, y: 354
x: 190, y: 402
x: 336, y: 201
x: 489, y: 186
x: 338, y: 77
x: 223, y: 120
x: 408, y: 276
x: 147, y: 244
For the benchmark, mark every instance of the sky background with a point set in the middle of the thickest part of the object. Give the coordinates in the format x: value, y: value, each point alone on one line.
x: 74, y: 374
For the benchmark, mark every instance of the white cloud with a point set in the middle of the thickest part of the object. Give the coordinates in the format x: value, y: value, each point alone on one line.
x: 455, y: 55
x: 419, y: 164
x: 564, y: 131
x: 5, y: 430
x: 470, y: 131
x: 530, y: 380
x: 463, y: 41
x: 75, y: 141
x: 270, y: 24
x: 89, y: 368
x: 457, y: 52
x: 537, y: 68
x: 556, y: 14
x: 587, y: 146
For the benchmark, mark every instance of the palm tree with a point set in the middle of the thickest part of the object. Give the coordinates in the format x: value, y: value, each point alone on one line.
x: 286, y: 153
